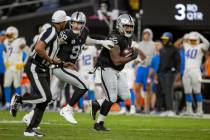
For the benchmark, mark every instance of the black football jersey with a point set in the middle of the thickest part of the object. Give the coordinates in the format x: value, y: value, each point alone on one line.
x: 119, y: 40
x: 72, y: 45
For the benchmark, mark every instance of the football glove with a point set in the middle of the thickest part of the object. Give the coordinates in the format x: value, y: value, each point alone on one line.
x: 106, y: 43
x: 134, y: 55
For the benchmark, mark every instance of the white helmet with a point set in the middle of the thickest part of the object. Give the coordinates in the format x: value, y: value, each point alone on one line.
x: 193, y: 36
x: 123, y: 20
x: 78, y: 17
x: 12, y: 32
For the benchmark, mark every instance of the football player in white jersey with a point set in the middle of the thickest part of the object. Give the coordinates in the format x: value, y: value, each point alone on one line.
x: 194, y: 50
x: 14, y: 59
x: 87, y: 60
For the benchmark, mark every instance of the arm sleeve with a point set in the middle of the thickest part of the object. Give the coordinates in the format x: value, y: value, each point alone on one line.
x: 91, y: 41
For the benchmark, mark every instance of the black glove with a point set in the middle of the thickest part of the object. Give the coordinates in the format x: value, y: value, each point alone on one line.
x: 134, y: 55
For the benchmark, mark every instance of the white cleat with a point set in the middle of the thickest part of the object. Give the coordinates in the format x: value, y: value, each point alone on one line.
x: 33, y: 133
x: 171, y: 114
x: 122, y: 110
x: 186, y: 113
x: 199, y: 114
x: 132, y: 110
x: 67, y: 113
x: 167, y: 114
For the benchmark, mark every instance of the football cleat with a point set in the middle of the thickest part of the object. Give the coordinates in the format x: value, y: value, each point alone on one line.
x: 122, y: 111
x: 187, y: 113
x: 199, y: 114
x: 15, y: 104
x: 33, y: 132
x: 94, y: 107
x: 67, y: 113
x: 100, y: 127
x: 132, y: 109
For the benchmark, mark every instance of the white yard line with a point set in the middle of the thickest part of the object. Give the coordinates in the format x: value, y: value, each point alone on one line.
x: 138, y: 129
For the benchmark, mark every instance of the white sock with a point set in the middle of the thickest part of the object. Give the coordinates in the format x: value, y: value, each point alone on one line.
x: 189, y: 106
x: 199, y: 106
x: 133, y: 106
x: 100, y: 118
x: 123, y: 108
x: 100, y: 101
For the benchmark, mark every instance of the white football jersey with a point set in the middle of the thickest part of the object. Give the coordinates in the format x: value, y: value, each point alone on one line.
x: 193, y: 55
x: 13, y: 52
x: 86, y: 59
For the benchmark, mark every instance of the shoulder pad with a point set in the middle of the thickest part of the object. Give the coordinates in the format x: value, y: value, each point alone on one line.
x: 65, y: 34
x: 114, y: 39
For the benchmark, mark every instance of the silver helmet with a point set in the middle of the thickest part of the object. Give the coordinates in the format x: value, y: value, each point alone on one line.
x: 80, y: 18
x: 125, y: 20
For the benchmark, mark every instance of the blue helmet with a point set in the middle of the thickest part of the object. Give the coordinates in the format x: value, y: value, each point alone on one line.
x: 167, y: 35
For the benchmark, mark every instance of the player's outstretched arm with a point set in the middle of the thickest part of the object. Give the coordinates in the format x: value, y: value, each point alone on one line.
x: 105, y: 43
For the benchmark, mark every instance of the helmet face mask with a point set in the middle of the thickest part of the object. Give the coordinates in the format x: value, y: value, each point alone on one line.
x: 77, y: 22
x: 125, y: 25
x: 193, y: 39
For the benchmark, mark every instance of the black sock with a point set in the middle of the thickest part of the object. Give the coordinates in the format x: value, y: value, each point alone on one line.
x: 119, y: 99
x: 38, y: 114
x: 78, y: 93
x: 105, y: 107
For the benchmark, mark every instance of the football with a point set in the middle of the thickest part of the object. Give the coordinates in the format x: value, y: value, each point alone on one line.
x: 126, y: 52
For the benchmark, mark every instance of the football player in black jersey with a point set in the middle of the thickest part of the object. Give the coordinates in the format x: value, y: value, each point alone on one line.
x: 72, y: 40
x: 111, y: 63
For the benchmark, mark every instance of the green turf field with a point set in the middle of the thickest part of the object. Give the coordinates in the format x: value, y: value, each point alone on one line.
x: 122, y: 128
